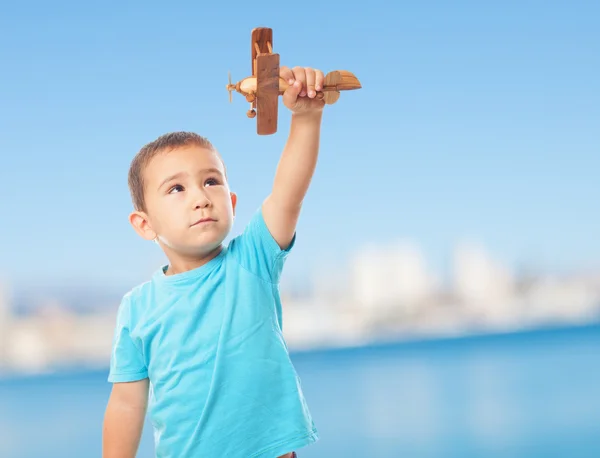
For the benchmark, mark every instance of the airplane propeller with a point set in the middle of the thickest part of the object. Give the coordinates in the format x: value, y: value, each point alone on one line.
x: 230, y: 88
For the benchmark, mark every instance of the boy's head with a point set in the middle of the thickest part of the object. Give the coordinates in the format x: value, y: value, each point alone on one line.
x: 181, y: 197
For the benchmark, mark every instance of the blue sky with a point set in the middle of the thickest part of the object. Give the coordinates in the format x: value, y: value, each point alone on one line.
x: 474, y: 121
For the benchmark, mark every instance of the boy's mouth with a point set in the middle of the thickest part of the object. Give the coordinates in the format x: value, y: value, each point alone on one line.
x: 203, y: 221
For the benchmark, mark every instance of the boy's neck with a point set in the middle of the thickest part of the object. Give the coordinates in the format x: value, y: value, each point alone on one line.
x: 179, y: 264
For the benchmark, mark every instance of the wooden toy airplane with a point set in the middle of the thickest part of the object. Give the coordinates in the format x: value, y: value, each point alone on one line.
x: 264, y: 87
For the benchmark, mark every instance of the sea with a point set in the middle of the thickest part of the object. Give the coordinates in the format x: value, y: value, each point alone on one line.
x: 523, y: 394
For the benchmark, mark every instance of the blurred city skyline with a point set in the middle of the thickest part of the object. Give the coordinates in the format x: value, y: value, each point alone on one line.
x: 403, y: 267
x: 385, y: 294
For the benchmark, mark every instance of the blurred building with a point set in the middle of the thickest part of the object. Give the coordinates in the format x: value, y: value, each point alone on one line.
x: 561, y: 300
x: 5, y: 319
x: 483, y: 286
x: 479, y: 279
x: 53, y: 337
x: 391, y: 278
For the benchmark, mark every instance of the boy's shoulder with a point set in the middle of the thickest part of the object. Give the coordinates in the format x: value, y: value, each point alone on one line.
x: 257, y: 251
x: 133, y: 299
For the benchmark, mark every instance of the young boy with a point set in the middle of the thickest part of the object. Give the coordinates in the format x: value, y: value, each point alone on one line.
x: 202, y: 340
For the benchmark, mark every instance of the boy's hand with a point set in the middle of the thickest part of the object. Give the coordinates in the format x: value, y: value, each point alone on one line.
x: 300, y: 96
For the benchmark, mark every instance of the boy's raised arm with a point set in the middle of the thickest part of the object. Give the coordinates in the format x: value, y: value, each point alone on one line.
x: 296, y: 167
x: 124, y: 419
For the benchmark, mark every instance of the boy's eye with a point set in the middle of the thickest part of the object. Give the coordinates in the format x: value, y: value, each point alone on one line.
x: 177, y: 187
x: 212, y: 182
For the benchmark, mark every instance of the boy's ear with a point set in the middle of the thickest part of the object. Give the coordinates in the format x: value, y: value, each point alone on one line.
x: 233, y: 201
x: 139, y: 221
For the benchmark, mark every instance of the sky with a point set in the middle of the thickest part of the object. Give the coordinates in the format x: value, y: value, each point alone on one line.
x: 475, y: 122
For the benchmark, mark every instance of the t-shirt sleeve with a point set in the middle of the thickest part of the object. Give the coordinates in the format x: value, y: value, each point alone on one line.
x: 126, y: 361
x: 258, y: 252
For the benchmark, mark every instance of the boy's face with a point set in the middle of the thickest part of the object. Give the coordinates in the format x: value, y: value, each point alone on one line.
x: 189, y: 205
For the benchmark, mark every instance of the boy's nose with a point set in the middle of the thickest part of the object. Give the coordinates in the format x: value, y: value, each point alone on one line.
x: 202, y: 200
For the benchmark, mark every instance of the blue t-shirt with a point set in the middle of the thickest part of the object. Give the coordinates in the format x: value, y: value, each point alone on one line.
x: 210, y: 341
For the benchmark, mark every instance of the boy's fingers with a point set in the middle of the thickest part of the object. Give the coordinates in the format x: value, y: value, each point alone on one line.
x: 286, y: 74
x: 290, y: 95
x: 310, y: 82
x: 319, y: 80
x: 300, y: 75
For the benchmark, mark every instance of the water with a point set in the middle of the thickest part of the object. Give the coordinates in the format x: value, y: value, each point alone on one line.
x: 534, y: 394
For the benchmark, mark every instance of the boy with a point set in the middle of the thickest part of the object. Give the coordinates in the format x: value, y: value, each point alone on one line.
x: 202, y: 340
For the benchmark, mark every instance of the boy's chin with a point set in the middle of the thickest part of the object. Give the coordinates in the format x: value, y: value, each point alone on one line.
x: 204, y: 248
x: 199, y: 246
